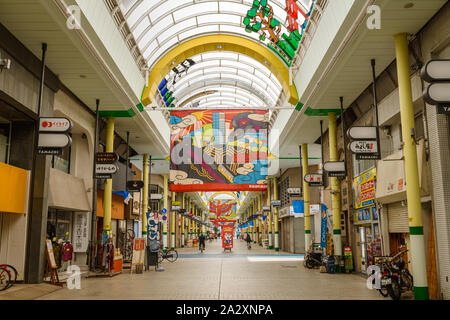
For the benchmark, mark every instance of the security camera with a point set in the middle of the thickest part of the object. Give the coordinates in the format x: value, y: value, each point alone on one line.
x: 5, y: 64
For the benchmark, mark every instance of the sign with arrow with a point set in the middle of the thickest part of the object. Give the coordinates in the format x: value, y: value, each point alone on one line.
x: 314, y: 179
x: 335, y: 168
x: 104, y: 170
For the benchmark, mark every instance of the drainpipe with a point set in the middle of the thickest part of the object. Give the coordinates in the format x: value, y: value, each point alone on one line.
x: 107, y: 196
x: 304, y: 149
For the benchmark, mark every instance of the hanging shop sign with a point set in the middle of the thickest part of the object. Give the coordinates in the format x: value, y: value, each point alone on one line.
x: 364, y: 189
x: 314, y: 179
x: 156, y: 196
x: 335, y: 168
x: 294, y: 191
x: 106, y: 157
x: 437, y: 74
x: 266, y: 209
x: 135, y: 186
x: 365, y: 143
x: 176, y: 208
x: 53, y: 135
x: 52, y: 143
x: 55, y: 125
x: 362, y: 133
x: 276, y: 203
x: 364, y: 149
x: 282, y: 39
x: 105, y: 171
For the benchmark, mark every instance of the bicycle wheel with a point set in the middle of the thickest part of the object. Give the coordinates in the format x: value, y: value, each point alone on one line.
x: 5, y: 279
x: 160, y: 257
x: 13, y: 279
x: 172, y: 255
x: 394, y: 290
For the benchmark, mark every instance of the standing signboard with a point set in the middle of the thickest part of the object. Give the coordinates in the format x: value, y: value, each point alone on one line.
x: 227, y: 237
x: 138, y: 252
x: 52, y: 267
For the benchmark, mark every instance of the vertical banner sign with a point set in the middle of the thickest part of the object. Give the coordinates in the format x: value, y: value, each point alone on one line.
x: 227, y: 237
x: 152, y: 231
x: 364, y: 189
x: 80, y: 231
x: 218, y: 150
x: 323, y: 226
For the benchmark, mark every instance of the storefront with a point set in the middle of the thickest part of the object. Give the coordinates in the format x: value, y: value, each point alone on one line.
x: 366, y: 226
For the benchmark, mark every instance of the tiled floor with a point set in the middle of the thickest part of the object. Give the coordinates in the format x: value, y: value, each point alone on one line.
x: 242, y: 274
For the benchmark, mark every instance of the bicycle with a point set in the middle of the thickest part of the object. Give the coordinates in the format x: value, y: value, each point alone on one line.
x: 6, y: 280
x: 171, y: 256
x: 249, y: 245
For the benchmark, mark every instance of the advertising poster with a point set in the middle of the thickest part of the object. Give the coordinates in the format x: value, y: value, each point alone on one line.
x: 218, y: 151
x: 227, y: 237
x: 364, y: 189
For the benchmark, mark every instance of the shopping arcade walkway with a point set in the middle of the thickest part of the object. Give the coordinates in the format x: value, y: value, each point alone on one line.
x: 235, y: 276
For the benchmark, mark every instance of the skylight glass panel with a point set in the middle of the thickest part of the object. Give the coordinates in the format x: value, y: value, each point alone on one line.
x: 232, y: 7
x: 159, y: 53
x: 179, y: 27
x: 199, y: 31
x: 155, y: 31
x: 196, y: 10
x: 144, y: 24
x: 138, y: 12
x: 166, y: 8
x: 237, y: 65
x: 239, y: 30
x: 220, y: 19
x: 126, y: 5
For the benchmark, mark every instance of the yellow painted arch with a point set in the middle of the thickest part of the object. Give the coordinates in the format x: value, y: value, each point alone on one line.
x: 223, y: 42
x: 225, y: 192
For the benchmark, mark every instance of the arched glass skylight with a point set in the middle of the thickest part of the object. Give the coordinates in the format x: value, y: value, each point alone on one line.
x: 233, y: 76
x: 158, y: 25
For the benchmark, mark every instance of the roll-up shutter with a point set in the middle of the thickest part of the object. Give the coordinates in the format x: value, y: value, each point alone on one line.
x: 398, y: 218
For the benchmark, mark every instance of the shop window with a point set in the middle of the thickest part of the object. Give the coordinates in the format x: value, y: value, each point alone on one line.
x: 62, y: 161
x: 58, y: 224
x: 5, y: 138
x: 419, y: 126
x: 361, y: 166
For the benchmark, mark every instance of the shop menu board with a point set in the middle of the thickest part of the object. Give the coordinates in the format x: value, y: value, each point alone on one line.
x: 138, y: 252
x: 227, y: 237
x: 364, y: 189
x: 51, y: 256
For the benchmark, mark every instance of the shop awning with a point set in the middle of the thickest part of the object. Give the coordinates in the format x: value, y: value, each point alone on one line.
x: 67, y: 192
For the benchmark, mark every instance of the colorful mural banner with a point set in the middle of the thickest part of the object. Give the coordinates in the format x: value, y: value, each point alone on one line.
x: 219, y: 150
x: 364, y: 189
x: 223, y: 209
